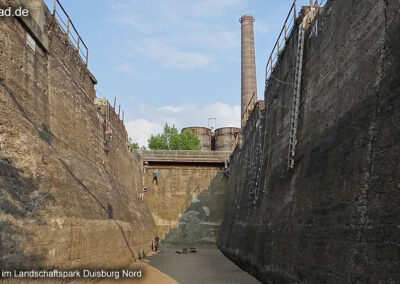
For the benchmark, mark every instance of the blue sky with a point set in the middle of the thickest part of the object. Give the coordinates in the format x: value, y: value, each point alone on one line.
x: 175, y: 61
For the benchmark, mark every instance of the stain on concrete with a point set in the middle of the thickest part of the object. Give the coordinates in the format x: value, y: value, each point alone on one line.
x: 188, y: 202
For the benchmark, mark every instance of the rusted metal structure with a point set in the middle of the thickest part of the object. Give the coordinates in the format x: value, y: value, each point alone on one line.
x: 287, y: 29
x: 248, y: 76
x: 227, y: 138
x: 204, y: 134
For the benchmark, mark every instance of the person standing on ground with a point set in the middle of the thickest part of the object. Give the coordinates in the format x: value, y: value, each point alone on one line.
x: 155, y: 176
x: 155, y: 243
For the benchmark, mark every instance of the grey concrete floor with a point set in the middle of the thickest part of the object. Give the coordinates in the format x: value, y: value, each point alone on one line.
x: 208, y: 265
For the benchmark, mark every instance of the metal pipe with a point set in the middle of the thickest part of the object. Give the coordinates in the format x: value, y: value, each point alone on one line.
x: 123, y: 116
x: 119, y: 110
x: 285, y: 32
x: 54, y: 7
x: 270, y: 63
x: 68, y: 27
x: 115, y: 100
x: 87, y: 57
x: 78, y: 43
x: 295, y: 11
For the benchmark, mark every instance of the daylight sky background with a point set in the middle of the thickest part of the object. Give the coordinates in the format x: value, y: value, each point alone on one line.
x: 175, y: 61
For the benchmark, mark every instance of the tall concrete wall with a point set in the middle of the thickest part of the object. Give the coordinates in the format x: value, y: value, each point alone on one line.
x: 187, y: 204
x: 335, y: 217
x: 65, y: 202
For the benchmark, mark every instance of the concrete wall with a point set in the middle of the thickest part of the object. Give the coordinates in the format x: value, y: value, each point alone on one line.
x: 188, y: 202
x: 335, y: 217
x: 65, y: 202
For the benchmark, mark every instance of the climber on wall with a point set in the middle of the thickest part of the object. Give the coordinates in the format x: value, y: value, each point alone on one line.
x: 155, y: 176
x: 226, y: 162
x: 225, y: 172
x: 108, y: 137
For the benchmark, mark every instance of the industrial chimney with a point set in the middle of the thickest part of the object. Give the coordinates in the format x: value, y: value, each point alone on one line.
x: 249, y: 84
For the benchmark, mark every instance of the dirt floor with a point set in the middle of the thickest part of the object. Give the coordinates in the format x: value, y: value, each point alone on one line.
x: 151, y: 275
x: 208, y: 265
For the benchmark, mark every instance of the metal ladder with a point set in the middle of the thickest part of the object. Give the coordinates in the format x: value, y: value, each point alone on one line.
x: 297, y: 95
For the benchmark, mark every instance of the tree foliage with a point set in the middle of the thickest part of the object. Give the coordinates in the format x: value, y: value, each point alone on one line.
x: 135, y: 146
x: 170, y: 139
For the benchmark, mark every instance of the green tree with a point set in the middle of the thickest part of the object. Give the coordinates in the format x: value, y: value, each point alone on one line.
x: 134, y: 145
x: 170, y: 139
x: 157, y: 142
x: 189, y: 141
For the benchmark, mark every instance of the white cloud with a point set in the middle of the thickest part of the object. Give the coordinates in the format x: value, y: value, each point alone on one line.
x: 214, y: 7
x: 181, y: 34
x: 125, y: 68
x: 140, y: 130
x: 134, y: 22
x: 181, y: 116
x: 150, y: 16
x: 226, y: 115
x: 171, y: 108
x: 172, y: 57
x: 230, y: 39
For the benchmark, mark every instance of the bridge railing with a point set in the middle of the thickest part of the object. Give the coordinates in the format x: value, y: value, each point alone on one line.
x: 196, y: 156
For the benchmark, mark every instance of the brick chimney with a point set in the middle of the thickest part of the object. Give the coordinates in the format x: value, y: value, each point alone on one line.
x: 249, y: 83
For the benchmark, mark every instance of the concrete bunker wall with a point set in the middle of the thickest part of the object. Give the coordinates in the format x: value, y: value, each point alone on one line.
x: 335, y: 216
x: 65, y: 202
x: 187, y: 204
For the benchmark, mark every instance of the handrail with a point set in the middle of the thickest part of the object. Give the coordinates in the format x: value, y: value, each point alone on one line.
x: 78, y: 44
x: 183, y: 152
x: 194, y: 155
x: 247, y: 107
x: 281, y: 42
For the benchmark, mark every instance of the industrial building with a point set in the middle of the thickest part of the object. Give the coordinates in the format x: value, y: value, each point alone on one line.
x: 223, y: 139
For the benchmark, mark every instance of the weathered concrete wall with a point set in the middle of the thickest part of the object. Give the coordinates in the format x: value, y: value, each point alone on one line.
x: 65, y: 202
x: 188, y: 202
x: 335, y: 217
